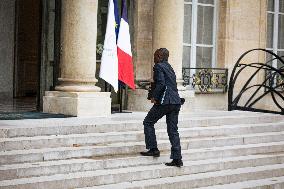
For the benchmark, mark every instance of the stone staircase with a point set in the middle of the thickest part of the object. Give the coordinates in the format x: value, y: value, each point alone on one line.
x: 221, y: 150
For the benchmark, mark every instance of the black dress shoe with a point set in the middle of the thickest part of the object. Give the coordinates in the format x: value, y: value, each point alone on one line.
x: 151, y: 152
x: 175, y: 162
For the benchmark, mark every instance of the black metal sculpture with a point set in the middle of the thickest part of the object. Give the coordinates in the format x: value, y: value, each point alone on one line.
x: 272, y: 84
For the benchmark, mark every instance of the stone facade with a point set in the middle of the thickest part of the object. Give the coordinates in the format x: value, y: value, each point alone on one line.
x: 142, y: 38
x: 241, y: 27
x: 142, y: 52
x: 7, y: 15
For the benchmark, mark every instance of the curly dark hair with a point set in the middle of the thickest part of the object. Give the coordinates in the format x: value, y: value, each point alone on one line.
x: 162, y: 54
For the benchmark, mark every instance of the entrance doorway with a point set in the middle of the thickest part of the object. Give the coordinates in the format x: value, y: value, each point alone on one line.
x: 27, y: 52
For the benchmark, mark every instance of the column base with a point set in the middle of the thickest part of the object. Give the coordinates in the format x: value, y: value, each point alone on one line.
x: 81, y: 104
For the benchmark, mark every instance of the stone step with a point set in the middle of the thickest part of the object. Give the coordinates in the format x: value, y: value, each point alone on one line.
x: 208, y: 180
x: 198, y: 180
x: 80, y: 126
x: 197, y: 137
x: 47, y: 154
x: 13, y: 171
x: 270, y: 183
x: 21, y: 143
x: 70, y: 153
x: 244, y: 139
x: 192, y: 171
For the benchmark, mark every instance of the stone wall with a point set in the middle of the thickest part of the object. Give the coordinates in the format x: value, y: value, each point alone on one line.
x: 241, y: 27
x: 142, y: 38
x: 7, y: 20
x: 142, y: 50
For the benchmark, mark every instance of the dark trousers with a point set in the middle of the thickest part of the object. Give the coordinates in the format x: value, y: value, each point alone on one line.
x: 157, y: 112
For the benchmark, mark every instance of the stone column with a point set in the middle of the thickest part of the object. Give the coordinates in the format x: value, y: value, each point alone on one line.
x: 168, y: 32
x: 157, y: 23
x: 78, y: 42
x: 76, y: 93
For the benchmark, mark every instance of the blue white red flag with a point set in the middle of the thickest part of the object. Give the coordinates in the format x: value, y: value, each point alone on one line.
x: 124, y: 54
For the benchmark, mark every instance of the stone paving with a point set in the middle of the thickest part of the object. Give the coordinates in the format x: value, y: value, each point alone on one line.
x: 18, y: 105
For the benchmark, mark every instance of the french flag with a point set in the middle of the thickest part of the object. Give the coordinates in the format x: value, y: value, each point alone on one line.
x: 124, y: 55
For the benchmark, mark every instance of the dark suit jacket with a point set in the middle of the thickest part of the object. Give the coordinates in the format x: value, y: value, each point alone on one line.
x: 165, y: 91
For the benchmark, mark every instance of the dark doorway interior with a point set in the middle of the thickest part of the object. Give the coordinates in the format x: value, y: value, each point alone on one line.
x: 27, y: 48
x: 27, y: 54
